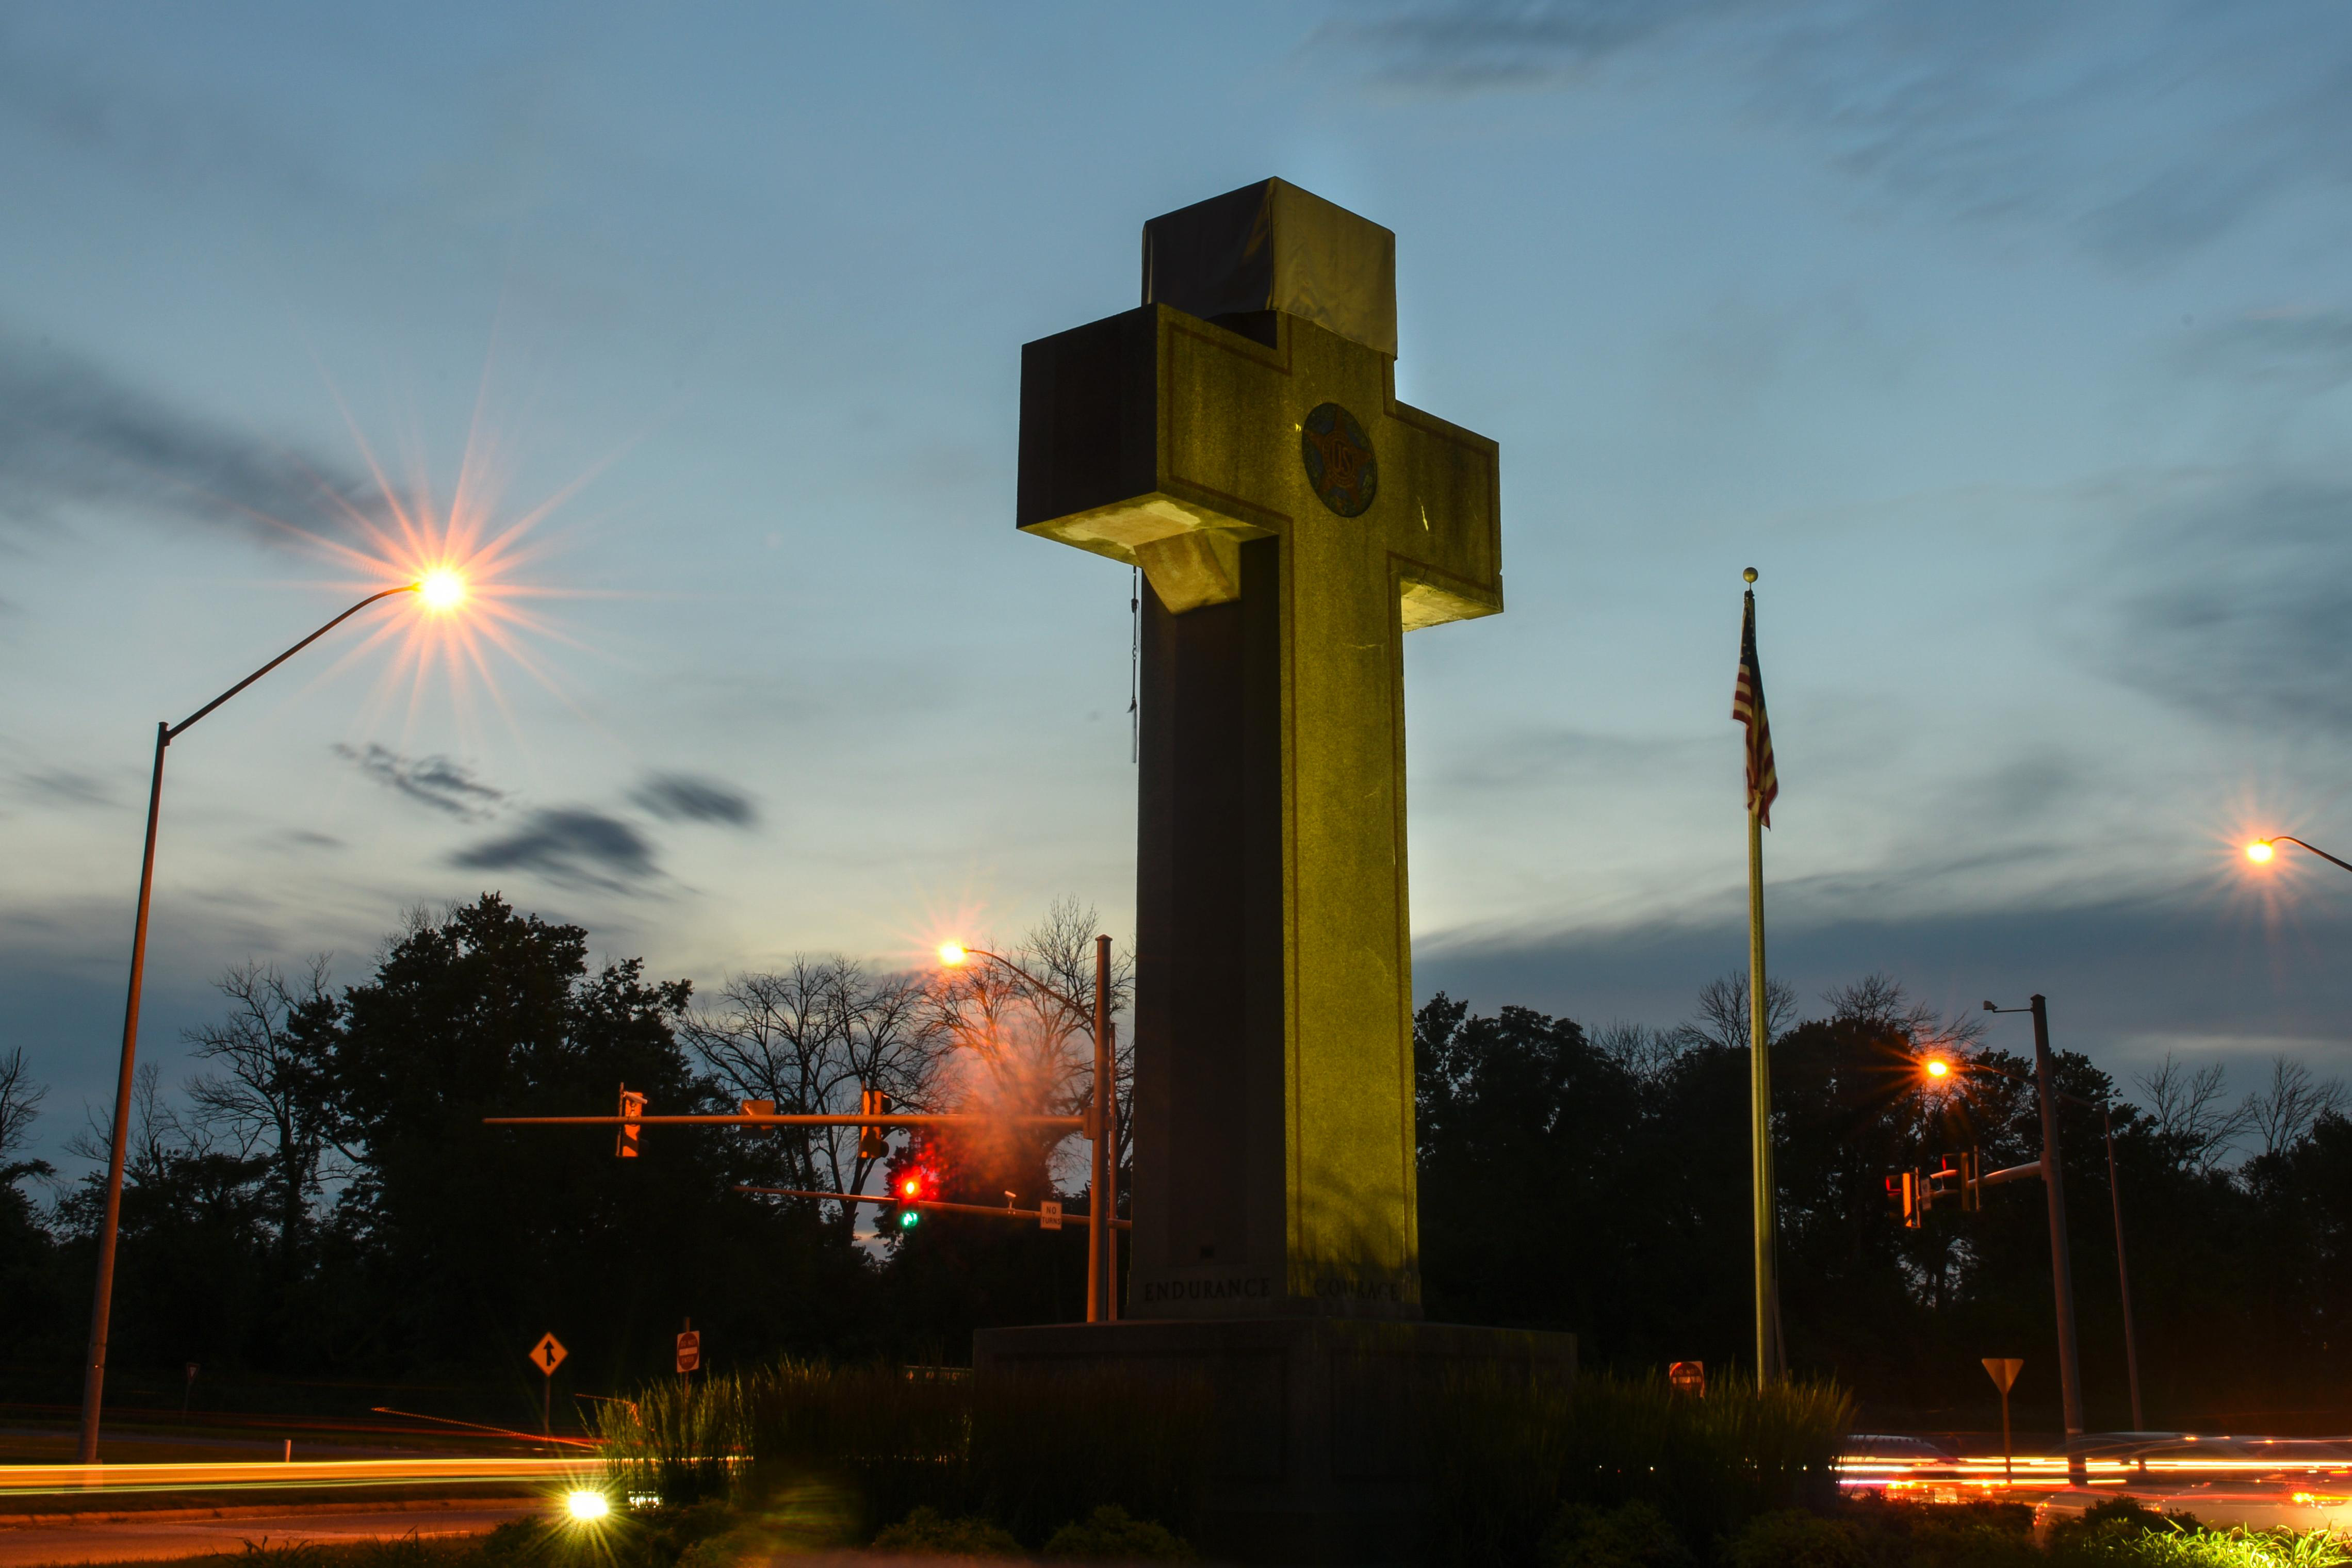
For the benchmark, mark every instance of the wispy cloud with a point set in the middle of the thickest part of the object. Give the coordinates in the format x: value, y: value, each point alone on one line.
x: 60, y: 787
x: 1483, y: 44
x: 2145, y: 131
x: 2301, y: 352
x: 438, y: 782
x: 686, y: 797
x: 2235, y: 610
x: 73, y: 436
x: 572, y: 845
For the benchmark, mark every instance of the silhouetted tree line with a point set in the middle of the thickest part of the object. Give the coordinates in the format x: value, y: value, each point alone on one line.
x: 322, y: 1203
x: 1599, y: 1181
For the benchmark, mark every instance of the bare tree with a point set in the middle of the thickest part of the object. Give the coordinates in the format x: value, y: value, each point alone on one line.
x: 268, y: 1090
x: 1640, y: 1050
x: 20, y: 1103
x: 1878, y: 1002
x: 812, y: 1038
x: 159, y: 1135
x: 2284, y: 1111
x: 1722, y: 1016
x: 1023, y: 1029
x: 2190, y: 1113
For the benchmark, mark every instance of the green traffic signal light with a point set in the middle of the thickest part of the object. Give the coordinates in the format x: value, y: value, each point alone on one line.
x: 910, y: 1218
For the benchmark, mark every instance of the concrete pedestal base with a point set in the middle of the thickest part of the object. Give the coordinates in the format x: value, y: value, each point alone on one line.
x: 1314, y: 1415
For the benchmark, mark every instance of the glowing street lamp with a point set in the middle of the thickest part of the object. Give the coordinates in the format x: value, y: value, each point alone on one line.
x: 1936, y: 1068
x: 1102, y: 1258
x: 441, y: 590
x: 2262, y: 850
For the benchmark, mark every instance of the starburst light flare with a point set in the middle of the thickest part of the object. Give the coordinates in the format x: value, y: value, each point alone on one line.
x: 442, y: 590
x: 2261, y: 850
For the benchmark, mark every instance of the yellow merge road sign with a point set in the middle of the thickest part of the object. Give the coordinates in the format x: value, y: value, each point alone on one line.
x: 548, y: 1354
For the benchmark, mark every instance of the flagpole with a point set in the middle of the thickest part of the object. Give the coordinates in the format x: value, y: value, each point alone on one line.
x: 1762, y: 785
x: 1759, y: 1101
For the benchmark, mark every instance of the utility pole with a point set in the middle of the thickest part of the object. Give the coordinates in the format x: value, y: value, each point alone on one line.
x: 2054, y: 1186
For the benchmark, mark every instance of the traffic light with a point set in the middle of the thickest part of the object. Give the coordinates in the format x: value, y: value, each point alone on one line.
x: 873, y: 1143
x: 910, y: 1189
x: 1903, y: 1193
x: 625, y: 1144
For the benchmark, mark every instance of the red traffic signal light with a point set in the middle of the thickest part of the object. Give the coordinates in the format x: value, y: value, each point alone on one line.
x: 910, y: 1187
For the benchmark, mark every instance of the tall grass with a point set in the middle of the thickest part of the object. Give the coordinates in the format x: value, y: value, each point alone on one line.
x: 1504, y: 1456
x: 678, y: 1441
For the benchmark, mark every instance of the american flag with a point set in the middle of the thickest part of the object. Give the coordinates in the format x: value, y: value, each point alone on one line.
x: 1748, y: 708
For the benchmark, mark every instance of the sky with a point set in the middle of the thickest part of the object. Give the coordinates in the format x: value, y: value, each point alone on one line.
x: 2009, y: 345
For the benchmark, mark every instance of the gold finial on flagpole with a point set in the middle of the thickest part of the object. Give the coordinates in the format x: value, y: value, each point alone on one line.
x: 1750, y: 573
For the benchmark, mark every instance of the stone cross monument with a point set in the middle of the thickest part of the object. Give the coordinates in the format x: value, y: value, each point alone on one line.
x: 1238, y: 437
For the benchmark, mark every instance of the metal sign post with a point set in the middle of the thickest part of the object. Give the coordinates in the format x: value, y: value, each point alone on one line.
x: 547, y: 1356
x: 2004, y: 1371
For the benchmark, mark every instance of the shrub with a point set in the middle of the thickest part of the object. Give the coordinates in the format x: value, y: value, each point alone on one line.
x: 1945, y: 1535
x: 1108, y: 1535
x: 1504, y: 1455
x: 1792, y: 1537
x: 1634, y: 1536
x: 928, y: 1532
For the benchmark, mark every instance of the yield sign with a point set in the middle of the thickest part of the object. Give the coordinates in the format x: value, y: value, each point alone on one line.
x: 2003, y: 1369
x: 548, y: 1354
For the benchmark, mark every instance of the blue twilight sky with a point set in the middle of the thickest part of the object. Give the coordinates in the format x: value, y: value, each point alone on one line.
x: 2010, y: 342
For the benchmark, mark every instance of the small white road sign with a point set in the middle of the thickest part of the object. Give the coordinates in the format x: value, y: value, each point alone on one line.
x: 1049, y: 1216
x: 548, y: 1354
x: 689, y: 1350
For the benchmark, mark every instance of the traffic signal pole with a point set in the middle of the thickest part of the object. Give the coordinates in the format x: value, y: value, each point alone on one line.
x: 2054, y: 1187
x: 1102, y: 1290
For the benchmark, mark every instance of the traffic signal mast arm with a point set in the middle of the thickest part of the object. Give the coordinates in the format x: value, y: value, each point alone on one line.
x: 1117, y: 1224
x: 1066, y: 1123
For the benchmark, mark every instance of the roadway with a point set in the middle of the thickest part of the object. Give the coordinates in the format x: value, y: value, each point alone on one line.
x: 159, y: 1534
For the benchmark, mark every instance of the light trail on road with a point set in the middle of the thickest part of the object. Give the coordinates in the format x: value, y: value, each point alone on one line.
x: 264, y: 1475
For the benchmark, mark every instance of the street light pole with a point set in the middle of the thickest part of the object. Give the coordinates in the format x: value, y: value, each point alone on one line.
x: 102, y: 1291
x: 2054, y: 1186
